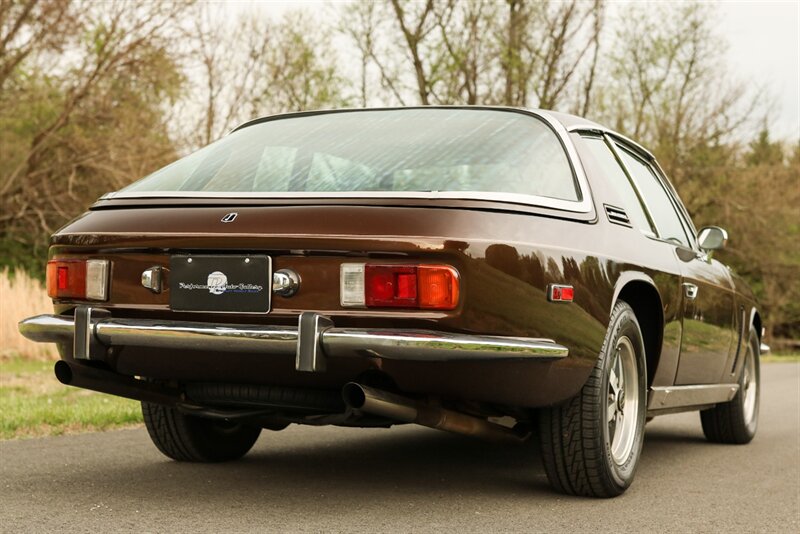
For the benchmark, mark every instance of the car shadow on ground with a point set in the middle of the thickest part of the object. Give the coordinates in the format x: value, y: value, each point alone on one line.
x: 356, y: 464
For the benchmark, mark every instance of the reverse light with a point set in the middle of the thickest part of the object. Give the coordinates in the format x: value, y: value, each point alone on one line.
x: 78, y: 279
x: 433, y: 287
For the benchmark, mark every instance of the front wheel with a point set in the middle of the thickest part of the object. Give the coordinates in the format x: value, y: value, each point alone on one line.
x: 188, y: 438
x: 591, y: 444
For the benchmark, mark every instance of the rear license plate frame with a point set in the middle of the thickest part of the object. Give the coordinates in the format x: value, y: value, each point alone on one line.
x: 220, y: 283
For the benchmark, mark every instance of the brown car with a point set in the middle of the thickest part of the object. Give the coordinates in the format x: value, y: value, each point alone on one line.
x: 488, y: 271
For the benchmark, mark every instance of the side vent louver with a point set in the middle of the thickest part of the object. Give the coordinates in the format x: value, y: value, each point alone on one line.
x: 617, y: 216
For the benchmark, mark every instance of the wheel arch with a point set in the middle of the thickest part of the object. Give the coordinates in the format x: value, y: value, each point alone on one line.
x: 755, y: 320
x: 641, y: 294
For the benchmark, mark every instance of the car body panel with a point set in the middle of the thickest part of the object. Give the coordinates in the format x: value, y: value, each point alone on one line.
x: 506, y: 253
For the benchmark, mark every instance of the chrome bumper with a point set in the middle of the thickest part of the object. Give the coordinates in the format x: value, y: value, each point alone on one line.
x: 92, y: 332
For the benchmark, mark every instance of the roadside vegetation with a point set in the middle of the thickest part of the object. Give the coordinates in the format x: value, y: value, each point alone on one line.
x: 32, y: 402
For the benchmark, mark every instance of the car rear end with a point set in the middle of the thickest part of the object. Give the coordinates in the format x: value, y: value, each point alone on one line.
x: 274, y: 269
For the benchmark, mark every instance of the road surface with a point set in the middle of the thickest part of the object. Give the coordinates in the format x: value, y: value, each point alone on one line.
x: 406, y: 479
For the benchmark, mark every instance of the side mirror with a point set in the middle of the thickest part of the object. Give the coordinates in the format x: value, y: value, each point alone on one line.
x: 712, y: 238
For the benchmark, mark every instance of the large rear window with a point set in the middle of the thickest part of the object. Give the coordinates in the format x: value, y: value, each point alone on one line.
x: 397, y: 151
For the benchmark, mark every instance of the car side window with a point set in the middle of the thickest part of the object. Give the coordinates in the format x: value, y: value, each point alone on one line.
x: 658, y: 202
x: 608, y: 165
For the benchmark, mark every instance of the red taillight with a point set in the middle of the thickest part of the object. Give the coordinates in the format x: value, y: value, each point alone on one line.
x: 66, y: 279
x: 432, y: 287
x: 390, y: 286
x: 78, y: 279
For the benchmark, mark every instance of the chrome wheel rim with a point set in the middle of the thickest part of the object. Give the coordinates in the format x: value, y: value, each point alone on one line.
x: 750, y: 385
x: 622, y: 406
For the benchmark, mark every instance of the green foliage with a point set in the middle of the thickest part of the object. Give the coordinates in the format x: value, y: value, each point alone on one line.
x: 28, y: 257
x: 34, y: 403
x: 764, y: 152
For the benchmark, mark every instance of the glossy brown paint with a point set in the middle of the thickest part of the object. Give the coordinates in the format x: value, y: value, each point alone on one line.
x: 506, y: 255
x: 505, y: 260
x: 703, y: 345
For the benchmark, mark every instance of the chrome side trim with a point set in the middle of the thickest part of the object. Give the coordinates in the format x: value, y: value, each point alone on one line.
x: 393, y: 344
x: 671, y: 397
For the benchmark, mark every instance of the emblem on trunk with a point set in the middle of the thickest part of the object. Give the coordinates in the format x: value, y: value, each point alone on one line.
x: 229, y: 217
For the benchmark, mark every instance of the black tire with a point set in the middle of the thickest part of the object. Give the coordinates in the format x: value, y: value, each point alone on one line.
x: 736, y: 421
x: 581, y: 451
x: 189, y: 438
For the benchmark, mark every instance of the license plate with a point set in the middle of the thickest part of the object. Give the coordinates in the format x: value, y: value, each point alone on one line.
x: 206, y: 283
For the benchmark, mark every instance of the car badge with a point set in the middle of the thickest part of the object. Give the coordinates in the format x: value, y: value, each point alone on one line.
x: 229, y: 217
x: 217, y: 283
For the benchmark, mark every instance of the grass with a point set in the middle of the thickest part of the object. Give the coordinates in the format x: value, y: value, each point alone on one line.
x: 33, y: 403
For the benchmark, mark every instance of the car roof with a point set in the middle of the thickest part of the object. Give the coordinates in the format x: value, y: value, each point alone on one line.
x: 570, y: 122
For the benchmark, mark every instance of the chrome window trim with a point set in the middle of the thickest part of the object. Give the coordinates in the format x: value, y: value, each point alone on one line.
x: 683, y: 213
x: 667, y: 189
x: 612, y: 145
x: 602, y: 130
x: 584, y: 205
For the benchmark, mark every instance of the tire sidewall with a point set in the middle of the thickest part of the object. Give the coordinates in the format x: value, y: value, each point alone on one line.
x: 754, y: 351
x: 624, y: 324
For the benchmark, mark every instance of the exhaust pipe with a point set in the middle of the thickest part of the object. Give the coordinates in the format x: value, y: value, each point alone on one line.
x: 392, y: 406
x: 96, y: 379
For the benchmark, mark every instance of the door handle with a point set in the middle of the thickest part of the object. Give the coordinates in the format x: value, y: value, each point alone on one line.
x: 690, y: 290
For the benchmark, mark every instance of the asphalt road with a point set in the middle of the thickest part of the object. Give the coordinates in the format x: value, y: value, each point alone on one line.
x: 406, y: 479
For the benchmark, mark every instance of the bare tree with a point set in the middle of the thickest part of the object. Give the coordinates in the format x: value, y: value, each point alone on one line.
x: 668, y: 85
x: 414, y: 28
x: 477, y: 52
x: 32, y: 26
x: 112, y: 41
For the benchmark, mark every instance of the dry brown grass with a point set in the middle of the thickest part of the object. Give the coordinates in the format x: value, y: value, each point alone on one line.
x: 22, y: 296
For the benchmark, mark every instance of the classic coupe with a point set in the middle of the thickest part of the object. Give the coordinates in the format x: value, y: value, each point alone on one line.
x: 505, y: 273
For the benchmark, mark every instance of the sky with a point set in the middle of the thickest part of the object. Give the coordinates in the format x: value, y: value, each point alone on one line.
x: 764, y: 41
x: 764, y: 50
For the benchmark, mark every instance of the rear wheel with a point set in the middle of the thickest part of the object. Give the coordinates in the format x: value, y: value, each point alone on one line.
x: 591, y: 444
x: 188, y: 438
x: 736, y: 421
